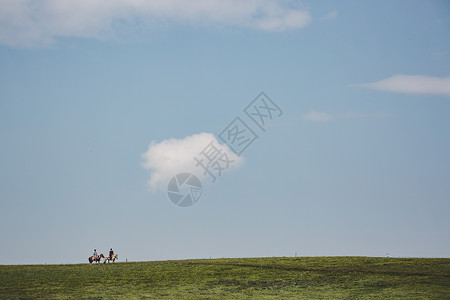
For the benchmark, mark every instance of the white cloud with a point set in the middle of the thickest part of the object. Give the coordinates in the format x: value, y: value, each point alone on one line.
x: 331, y: 15
x: 316, y: 116
x: 411, y: 85
x: 30, y: 23
x: 170, y: 157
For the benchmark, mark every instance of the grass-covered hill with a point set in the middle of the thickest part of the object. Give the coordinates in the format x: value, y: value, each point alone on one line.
x: 252, y: 278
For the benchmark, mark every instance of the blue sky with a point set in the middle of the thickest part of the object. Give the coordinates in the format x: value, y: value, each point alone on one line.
x: 357, y: 164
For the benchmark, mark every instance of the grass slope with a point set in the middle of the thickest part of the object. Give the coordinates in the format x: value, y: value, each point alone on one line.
x: 260, y: 278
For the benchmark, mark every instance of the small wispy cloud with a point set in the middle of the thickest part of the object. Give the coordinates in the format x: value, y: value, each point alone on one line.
x: 438, y: 54
x: 331, y: 15
x: 411, y: 85
x: 37, y: 23
x: 359, y: 115
x: 316, y: 116
x: 170, y: 157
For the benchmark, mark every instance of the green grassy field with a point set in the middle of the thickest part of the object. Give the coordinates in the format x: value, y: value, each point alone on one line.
x: 255, y: 278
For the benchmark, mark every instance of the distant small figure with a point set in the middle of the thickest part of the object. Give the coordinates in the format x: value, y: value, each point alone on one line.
x: 387, y: 255
x: 95, y: 258
x: 111, y: 257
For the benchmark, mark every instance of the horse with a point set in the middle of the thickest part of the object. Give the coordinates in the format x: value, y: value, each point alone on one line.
x: 113, y: 258
x: 96, y: 259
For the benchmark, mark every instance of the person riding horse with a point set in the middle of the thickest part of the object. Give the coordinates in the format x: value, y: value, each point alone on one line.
x: 111, y: 253
x: 96, y: 258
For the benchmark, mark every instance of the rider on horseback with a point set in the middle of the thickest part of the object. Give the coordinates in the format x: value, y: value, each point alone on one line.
x: 111, y: 253
x: 95, y: 254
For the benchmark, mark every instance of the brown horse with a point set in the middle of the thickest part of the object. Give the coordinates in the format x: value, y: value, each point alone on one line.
x: 96, y: 259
